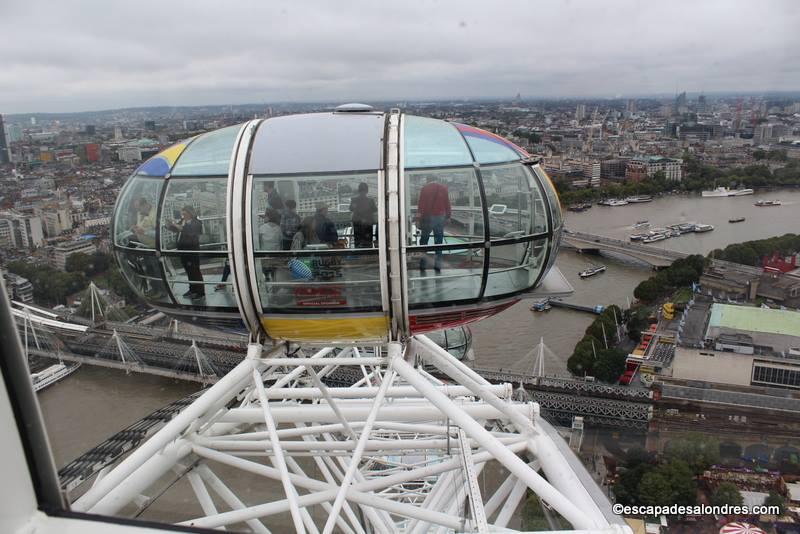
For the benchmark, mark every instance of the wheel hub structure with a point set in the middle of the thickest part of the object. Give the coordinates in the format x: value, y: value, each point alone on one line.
x: 398, y: 451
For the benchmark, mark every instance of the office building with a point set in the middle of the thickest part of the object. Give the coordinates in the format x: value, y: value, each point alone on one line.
x: 63, y: 251
x: 745, y: 346
x: 642, y: 167
x: 18, y: 288
x: 18, y: 230
x: 580, y: 112
x: 5, y: 153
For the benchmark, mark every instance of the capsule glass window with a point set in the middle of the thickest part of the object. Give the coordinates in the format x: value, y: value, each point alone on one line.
x: 193, y: 215
x: 135, y: 220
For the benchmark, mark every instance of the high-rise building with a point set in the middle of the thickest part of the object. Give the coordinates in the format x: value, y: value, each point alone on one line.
x: 680, y: 103
x: 117, y: 133
x: 630, y: 106
x: 18, y: 230
x: 150, y: 126
x: 13, y: 133
x: 5, y: 154
x: 91, y: 129
x: 580, y: 112
x: 701, y: 104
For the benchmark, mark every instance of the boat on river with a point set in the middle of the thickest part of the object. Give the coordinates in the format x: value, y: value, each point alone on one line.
x: 736, y: 220
x: 767, y: 203
x: 638, y: 199
x: 725, y: 192
x: 541, y: 305
x: 655, y: 237
x: 591, y: 271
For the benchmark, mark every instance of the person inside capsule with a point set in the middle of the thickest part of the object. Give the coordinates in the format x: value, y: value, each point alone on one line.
x: 145, y: 227
x: 364, y: 211
x: 433, y: 213
x: 189, y: 228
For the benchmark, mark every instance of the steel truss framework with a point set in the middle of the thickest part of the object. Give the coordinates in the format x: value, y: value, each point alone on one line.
x: 398, y: 451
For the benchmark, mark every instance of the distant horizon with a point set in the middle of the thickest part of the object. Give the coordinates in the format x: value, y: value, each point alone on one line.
x: 438, y: 100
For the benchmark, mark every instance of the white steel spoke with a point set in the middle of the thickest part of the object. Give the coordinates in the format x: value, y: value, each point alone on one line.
x: 280, y: 463
x: 395, y: 448
x: 362, y: 442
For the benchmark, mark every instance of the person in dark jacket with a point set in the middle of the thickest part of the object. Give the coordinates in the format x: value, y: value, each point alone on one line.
x: 274, y: 199
x: 324, y: 226
x: 189, y: 229
x: 364, y: 210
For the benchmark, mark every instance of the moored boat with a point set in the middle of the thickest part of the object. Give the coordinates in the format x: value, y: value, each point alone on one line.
x: 638, y: 199
x: 541, y: 305
x: 740, y: 192
x: 615, y: 202
x: 703, y: 227
x: 717, y: 192
x: 725, y: 192
x: 655, y: 237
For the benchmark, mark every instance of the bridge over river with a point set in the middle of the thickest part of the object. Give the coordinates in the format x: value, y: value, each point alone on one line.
x: 656, y: 256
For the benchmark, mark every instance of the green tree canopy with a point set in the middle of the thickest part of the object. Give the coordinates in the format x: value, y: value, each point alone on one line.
x: 726, y: 493
x: 699, y: 451
x: 776, y: 499
x: 610, y: 365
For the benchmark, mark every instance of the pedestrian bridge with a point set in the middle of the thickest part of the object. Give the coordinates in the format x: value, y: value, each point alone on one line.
x: 655, y: 256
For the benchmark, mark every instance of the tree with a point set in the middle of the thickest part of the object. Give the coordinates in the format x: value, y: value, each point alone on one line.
x: 610, y: 365
x: 602, y: 329
x: 581, y: 363
x: 637, y: 322
x: 776, y: 499
x: 726, y: 493
x: 681, y: 481
x: 759, y: 154
x: 626, y: 490
x: 699, y: 451
x: 648, y: 290
x: 88, y: 264
x: 654, y: 489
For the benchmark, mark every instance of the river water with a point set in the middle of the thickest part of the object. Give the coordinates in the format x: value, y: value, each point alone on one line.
x: 93, y: 403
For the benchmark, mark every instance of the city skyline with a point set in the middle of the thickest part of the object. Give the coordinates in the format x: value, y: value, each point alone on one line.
x: 83, y: 58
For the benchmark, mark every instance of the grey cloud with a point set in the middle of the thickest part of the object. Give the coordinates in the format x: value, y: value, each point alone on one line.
x: 89, y: 54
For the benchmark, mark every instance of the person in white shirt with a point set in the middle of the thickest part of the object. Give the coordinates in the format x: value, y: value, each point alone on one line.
x: 270, y: 236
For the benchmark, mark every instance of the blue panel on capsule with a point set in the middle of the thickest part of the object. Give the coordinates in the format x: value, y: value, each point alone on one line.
x: 155, y: 166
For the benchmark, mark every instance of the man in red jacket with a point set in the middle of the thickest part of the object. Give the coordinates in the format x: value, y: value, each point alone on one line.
x: 433, y: 212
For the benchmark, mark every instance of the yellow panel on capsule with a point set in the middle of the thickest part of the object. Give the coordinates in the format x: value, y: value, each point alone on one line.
x: 327, y: 329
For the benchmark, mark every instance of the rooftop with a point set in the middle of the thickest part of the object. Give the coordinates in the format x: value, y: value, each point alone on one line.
x: 783, y: 322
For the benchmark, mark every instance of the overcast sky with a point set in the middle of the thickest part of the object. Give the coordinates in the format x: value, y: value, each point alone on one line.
x: 93, y: 54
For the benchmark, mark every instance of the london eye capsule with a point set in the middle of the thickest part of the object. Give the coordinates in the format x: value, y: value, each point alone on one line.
x: 352, y: 225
